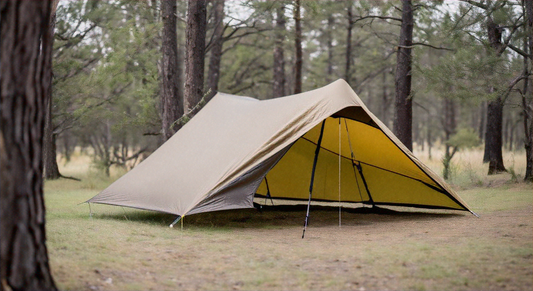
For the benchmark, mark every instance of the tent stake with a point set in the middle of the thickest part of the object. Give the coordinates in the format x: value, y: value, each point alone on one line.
x: 125, y: 213
x: 175, y: 221
x: 313, y: 176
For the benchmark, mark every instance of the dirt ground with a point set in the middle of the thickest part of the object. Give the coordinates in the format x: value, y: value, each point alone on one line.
x: 249, y: 250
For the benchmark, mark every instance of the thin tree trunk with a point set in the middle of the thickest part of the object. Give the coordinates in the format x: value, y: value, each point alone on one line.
x: 526, y: 106
x: 384, y: 99
x: 171, y: 97
x: 428, y: 128
x: 348, y: 59
x: 24, y: 81
x: 51, y: 169
x: 216, y: 49
x: 449, y: 129
x: 482, y: 121
x: 68, y: 146
x: 298, y: 62
x: 494, y: 128
x: 506, y: 131
x: 278, y: 87
x: 329, y: 44
x: 493, y: 137
x: 403, y: 115
x: 194, y: 66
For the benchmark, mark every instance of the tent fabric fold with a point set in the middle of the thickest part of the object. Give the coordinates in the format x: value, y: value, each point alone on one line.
x: 220, y: 158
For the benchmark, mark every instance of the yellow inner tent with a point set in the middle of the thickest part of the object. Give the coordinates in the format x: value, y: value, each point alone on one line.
x: 391, y: 176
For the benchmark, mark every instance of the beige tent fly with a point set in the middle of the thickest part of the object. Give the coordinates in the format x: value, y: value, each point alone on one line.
x: 237, y: 148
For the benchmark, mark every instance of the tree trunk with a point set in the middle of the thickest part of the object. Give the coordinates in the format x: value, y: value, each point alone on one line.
x: 298, y: 62
x: 278, y: 87
x: 51, y: 169
x: 482, y: 121
x: 428, y: 128
x: 403, y: 115
x: 449, y: 125
x: 494, y: 128
x: 216, y: 49
x: 194, y: 63
x: 384, y: 100
x: 171, y: 97
x: 493, y: 137
x: 23, y: 86
x: 526, y: 105
x: 68, y: 146
x: 329, y: 44
x: 348, y: 59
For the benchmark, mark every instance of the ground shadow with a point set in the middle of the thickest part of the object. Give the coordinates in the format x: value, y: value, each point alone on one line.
x: 279, y: 216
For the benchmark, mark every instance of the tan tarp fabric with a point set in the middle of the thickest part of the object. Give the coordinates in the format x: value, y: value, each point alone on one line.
x: 219, y: 159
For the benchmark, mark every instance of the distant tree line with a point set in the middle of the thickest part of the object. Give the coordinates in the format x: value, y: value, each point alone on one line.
x: 128, y: 74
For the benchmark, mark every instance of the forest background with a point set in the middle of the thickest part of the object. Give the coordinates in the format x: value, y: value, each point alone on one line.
x: 120, y: 69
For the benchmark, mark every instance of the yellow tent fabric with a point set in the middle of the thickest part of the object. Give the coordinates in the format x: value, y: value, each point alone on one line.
x: 237, y: 146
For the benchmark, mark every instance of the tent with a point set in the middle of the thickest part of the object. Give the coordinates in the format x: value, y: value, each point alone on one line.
x: 237, y: 148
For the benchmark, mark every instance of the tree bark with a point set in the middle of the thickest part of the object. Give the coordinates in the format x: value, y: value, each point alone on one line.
x: 298, y: 59
x: 194, y: 64
x: 482, y: 121
x: 526, y: 106
x: 278, y: 87
x: 216, y: 49
x: 348, y: 59
x: 403, y: 115
x: 493, y: 137
x: 23, y: 86
x: 51, y: 169
x: 171, y: 95
x: 449, y: 125
x: 329, y: 44
x: 493, y: 132
x: 384, y: 116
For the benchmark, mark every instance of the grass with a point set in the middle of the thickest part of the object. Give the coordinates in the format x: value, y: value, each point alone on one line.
x: 126, y: 249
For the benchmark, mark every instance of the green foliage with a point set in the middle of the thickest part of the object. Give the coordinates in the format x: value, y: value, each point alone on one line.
x: 106, y: 76
x: 106, y: 58
x: 464, y: 138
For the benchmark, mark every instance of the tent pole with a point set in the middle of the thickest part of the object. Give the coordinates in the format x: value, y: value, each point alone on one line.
x: 268, y: 193
x: 90, y: 210
x: 175, y: 221
x: 359, y: 169
x: 313, y: 176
